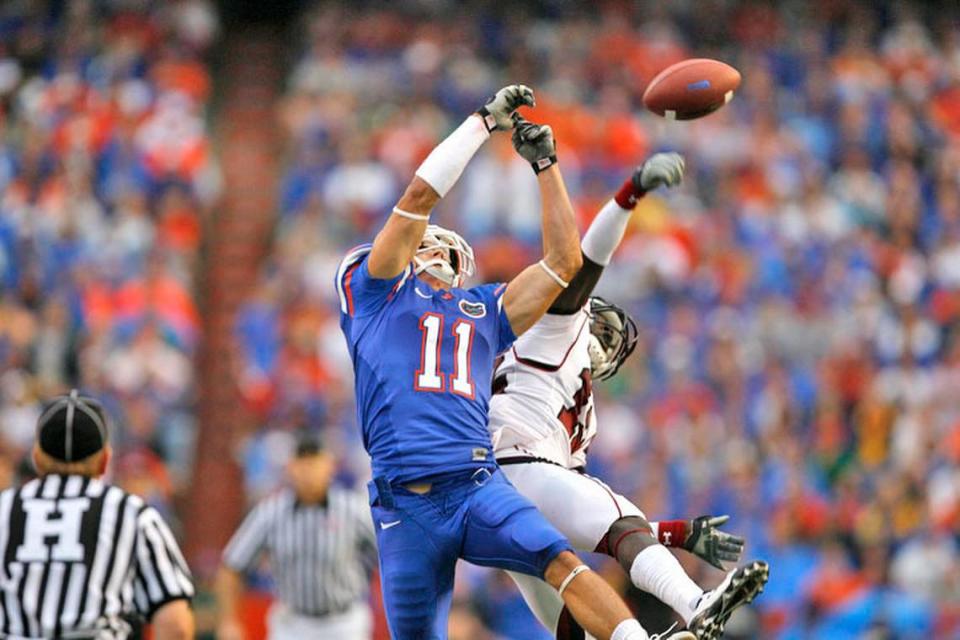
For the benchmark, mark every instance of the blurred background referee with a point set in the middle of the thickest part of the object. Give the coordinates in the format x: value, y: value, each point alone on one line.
x: 320, y: 544
x: 79, y: 555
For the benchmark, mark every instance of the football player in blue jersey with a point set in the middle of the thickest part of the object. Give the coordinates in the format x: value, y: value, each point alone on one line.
x: 423, y: 351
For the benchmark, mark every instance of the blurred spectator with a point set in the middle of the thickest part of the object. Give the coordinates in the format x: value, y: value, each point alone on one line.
x: 105, y: 174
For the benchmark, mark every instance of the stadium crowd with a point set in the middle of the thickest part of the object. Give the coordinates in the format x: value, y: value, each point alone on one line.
x: 799, y: 297
x: 105, y: 176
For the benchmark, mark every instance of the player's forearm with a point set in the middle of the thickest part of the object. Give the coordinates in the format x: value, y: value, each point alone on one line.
x: 601, y: 240
x: 445, y: 164
x: 606, y: 231
x: 572, y: 299
x: 561, y: 242
x: 228, y: 588
x: 397, y: 243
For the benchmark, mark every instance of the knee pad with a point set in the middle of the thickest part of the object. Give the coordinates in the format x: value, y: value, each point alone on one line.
x: 624, y: 527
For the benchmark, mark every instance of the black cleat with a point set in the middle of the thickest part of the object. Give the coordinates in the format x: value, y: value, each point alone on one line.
x: 740, y: 587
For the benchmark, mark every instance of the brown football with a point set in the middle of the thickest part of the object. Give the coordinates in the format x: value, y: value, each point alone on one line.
x: 691, y: 89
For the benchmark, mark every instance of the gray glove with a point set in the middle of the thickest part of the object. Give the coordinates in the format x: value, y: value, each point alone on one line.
x: 660, y: 169
x: 534, y: 143
x: 496, y: 113
x: 706, y: 541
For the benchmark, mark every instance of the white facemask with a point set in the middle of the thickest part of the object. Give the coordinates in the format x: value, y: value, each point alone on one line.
x: 441, y: 267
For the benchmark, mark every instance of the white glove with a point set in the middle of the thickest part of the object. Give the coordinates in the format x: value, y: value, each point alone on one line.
x: 660, y: 169
x: 496, y: 113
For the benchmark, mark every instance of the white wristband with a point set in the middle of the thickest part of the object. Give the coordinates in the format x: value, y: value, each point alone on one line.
x: 412, y: 216
x: 553, y: 274
x: 573, y: 574
x: 446, y: 162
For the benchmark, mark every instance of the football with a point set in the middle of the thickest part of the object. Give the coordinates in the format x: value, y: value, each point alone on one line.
x: 691, y: 89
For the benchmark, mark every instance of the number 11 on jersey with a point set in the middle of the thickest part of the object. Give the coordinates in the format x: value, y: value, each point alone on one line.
x: 429, y: 377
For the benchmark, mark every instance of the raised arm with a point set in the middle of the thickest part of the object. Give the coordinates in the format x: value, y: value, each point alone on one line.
x: 607, y: 229
x: 530, y: 294
x: 397, y: 243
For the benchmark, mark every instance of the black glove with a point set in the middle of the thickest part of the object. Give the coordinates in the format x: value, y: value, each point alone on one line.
x: 534, y: 143
x: 706, y: 541
x: 498, y: 109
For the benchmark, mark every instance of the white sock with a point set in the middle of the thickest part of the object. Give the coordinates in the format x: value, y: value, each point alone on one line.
x: 657, y: 572
x: 629, y: 629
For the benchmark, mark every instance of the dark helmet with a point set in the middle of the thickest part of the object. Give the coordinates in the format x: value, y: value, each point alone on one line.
x: 613, y: 337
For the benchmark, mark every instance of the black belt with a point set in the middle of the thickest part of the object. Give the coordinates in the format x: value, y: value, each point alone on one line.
x: 479, y: 474
x: 526, y: 459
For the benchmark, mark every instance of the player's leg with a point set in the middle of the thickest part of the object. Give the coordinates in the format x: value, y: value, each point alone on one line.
x: 545, y: 603
x: 652, y: 568
x: 505, y: 530
x: 595, y: 518
x: 630, y: 540
x: 417, y: 564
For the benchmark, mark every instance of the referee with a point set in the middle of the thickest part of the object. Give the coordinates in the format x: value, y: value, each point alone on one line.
x: 320, y: 544
x: 81, y: 556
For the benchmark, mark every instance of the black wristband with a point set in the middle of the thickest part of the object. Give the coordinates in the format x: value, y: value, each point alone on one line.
x: 488, y: 120
x: 543, y: 163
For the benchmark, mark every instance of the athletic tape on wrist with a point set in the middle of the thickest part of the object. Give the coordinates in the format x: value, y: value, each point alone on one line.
x: 573, y: 574
x: 412, y: 216
x: 488, y: 120
x: 543, y: 163
x: 672, y: 533
x: 628, y: 194
x: 553, y: 274
x: 442, y: 168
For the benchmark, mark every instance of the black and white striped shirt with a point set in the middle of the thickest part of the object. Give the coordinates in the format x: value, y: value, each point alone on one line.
x: 320, y: 555
x: 78, y: 556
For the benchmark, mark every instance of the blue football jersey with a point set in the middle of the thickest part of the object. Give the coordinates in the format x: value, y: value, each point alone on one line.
x: 422, y: 361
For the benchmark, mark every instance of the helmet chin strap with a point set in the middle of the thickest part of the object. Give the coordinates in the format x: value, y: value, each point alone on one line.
x: 437, y: 268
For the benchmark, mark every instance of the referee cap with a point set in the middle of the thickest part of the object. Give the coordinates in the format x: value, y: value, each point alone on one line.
x: 72, y: 427
x: 309, y: 443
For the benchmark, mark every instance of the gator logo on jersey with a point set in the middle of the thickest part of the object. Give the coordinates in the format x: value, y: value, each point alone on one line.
x: 473, y: 309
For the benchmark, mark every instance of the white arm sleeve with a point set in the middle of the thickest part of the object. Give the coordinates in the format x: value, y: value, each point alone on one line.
x: 605, y: 233
x: 442, y: 168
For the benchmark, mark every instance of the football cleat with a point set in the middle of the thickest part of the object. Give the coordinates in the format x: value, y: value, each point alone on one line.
x: 683, y: 634
x: 740, y: 587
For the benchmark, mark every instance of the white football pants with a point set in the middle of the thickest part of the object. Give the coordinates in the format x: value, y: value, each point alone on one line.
x: 580, y: 506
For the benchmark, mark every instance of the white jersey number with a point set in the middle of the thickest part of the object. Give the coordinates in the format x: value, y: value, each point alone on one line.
x: 429, y: 377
